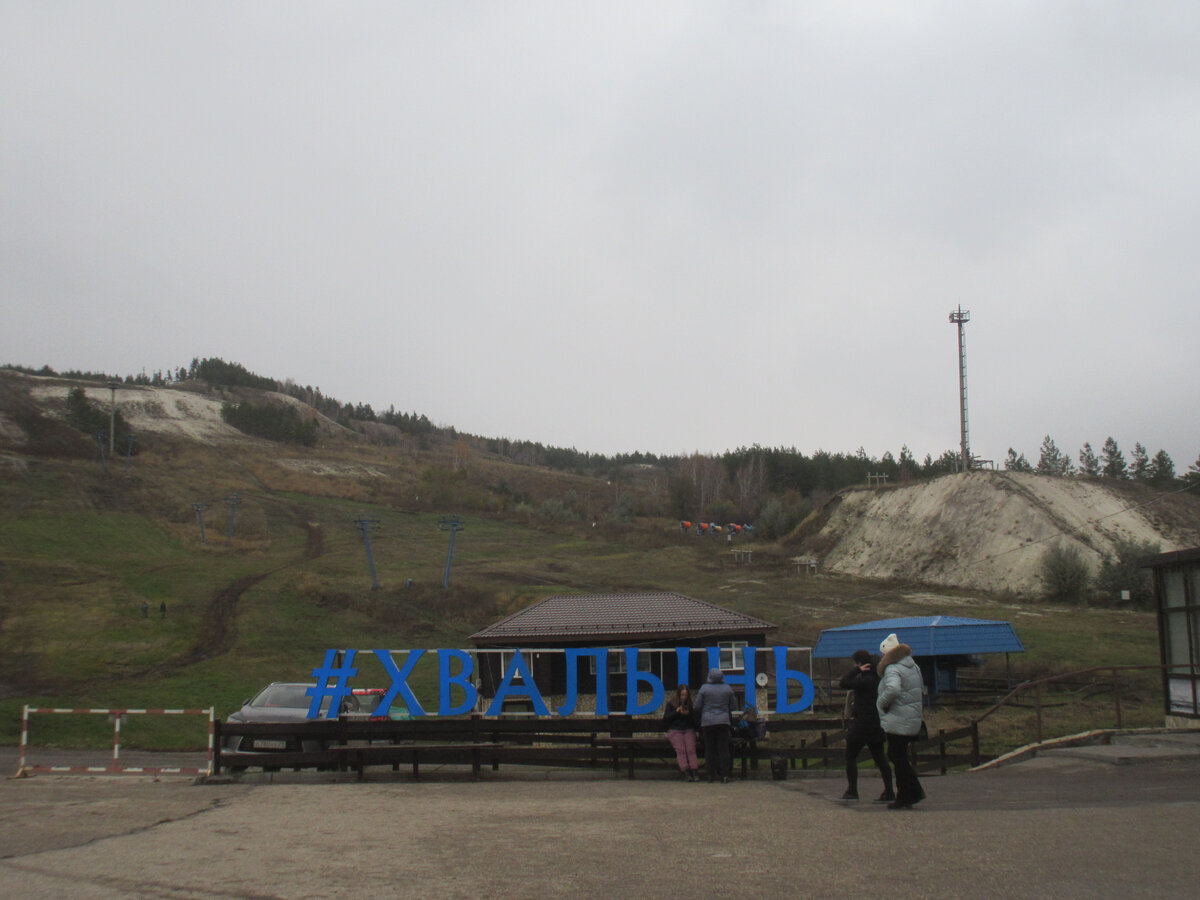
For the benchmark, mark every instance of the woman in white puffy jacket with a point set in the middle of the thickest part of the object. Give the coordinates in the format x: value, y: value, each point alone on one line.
x: 901, y: 703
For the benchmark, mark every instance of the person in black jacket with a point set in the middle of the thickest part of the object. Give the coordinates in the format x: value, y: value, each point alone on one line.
x: 864, y: 729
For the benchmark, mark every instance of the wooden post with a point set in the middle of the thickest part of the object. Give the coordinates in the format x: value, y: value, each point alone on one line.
x: 1037, y: 695
x: 1117, y: 695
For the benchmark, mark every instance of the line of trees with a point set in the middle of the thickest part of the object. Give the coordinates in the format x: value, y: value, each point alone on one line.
x: 272, y: 422
x: 739, y: 479
x: 1157, y: 470
x: 778, y: 486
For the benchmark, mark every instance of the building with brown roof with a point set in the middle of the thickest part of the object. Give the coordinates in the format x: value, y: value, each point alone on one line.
x: 654, y: 622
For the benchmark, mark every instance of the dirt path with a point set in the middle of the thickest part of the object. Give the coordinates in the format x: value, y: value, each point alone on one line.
x: 218, y: 628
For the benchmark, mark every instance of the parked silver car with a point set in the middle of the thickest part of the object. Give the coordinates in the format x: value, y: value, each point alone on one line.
x: 280, y: 702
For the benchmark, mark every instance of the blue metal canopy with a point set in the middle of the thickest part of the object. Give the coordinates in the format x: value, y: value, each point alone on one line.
x: 927, y: 635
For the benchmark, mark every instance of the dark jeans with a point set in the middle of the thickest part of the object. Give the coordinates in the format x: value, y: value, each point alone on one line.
x: 857, y: 737
x: 718, y: 756
x: 908, y: 785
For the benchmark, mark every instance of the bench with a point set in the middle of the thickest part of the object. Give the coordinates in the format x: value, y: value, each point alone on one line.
x: 631, y: 745
x: 358, y: 756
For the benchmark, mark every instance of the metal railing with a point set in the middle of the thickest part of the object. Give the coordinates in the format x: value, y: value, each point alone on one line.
x: 1037, y: 688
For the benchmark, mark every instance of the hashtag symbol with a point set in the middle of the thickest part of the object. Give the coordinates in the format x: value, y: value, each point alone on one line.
x: 322, y: 689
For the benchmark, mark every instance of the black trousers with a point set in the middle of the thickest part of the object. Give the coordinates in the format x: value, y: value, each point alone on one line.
x: 718, y: 755
x: 908, y: 785
x: 857, y: 737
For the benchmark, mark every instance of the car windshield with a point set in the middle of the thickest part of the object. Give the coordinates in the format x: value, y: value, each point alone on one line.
x: 295, y: 696
x: 285, y: 696
x: 368, y: 703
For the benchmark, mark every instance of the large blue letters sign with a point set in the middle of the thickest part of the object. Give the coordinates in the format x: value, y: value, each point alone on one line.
x: 333, y: 681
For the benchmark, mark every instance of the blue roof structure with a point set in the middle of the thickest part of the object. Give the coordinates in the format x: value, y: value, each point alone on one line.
x: 927, y: 635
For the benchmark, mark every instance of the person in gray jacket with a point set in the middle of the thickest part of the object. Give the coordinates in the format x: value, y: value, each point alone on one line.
x: 901, y: 702
x: 714, y: 705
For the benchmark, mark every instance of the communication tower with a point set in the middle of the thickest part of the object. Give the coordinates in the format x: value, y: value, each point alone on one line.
x: 961, y: 317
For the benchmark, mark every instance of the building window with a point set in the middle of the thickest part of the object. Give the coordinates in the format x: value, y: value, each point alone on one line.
x: 505, y: 658
x: 616, y: 663
x: 1179, y: 589
x: 731, y: 654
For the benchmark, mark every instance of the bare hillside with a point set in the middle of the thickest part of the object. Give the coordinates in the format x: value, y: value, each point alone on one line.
x: 169, y: 411
x: 988, y: 530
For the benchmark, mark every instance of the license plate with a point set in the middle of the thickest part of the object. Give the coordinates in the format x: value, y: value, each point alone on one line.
x: 261, y: 744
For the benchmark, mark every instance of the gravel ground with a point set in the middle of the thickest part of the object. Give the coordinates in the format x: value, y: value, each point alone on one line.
x: 1056, y: 825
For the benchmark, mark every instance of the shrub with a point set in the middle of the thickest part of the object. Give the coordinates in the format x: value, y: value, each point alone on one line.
x: 554, y: 511
x: 623, y: 510
x: 781, y: 515
x: 1120, y: 572
x: 1065, y: 573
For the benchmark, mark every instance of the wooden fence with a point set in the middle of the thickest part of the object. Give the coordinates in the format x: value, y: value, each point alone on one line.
x: 622, y: 742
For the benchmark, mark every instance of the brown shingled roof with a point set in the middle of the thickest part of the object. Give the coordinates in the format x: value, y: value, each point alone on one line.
x: 642, y: 615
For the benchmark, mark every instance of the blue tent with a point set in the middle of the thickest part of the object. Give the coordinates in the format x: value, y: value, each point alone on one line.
x: 941, y: 644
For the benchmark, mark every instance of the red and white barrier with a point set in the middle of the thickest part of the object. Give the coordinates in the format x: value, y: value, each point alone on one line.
x: 115, y: 767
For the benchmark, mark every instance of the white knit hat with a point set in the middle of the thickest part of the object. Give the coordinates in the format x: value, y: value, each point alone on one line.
x: 888, y: 643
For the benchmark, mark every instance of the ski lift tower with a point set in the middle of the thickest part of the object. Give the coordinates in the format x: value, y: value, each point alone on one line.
x: 961, y: 317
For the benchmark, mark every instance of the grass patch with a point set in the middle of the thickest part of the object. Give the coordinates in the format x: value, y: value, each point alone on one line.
x: 81, y: 551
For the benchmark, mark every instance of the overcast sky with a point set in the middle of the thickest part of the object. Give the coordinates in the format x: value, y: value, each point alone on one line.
x: 624, y: 226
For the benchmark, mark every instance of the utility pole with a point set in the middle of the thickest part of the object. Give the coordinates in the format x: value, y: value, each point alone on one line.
x: 454, y: 525
x: 233, y: 500
x: 200, y: 508
x: 112, y: 416
x: 99, y: 436
x: 961, y: 317
x: 367, y: 526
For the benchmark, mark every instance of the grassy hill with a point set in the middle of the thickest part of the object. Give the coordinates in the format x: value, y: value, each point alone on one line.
x: 83, y: 547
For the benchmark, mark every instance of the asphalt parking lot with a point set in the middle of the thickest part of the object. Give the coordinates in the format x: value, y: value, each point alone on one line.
x: 1063, y: 825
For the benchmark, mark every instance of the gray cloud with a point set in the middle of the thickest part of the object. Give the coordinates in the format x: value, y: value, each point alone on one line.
x: 674, y: 227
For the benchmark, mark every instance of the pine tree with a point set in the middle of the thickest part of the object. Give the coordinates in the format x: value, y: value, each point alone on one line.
x: 1193, y: 471
x: 1017, y: 463
x: 1140, y: 463
x: 1162, y: 469
x: 1113, y: 460
x: 1052, y: 461
x: 1088, y: 464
